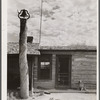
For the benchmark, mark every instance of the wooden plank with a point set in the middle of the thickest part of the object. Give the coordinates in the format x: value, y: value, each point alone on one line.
x: 85, y: 81
x: 84, y: 73
x: 82, y: 63
x: 85, y: 78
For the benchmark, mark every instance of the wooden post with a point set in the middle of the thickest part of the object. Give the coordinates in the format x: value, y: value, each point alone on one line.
x: 32, y: 77
x: 23, y: 65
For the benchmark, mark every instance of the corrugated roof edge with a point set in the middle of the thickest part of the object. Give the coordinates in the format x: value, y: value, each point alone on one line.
x: 33, y: 48
x: 72, y: 47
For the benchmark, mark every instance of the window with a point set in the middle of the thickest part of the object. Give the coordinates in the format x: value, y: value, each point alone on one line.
x: 45, y: 67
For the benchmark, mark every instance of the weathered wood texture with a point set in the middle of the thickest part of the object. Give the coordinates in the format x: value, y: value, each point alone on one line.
x: 45, y: 83
x: 84, y: 68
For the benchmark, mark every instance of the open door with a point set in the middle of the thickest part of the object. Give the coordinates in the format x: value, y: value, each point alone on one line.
x: 63, y: 79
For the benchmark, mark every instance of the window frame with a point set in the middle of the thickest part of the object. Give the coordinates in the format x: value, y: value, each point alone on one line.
x: 40, y: 59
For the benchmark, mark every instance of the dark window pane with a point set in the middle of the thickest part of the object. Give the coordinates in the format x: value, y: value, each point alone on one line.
x: 44, y: 67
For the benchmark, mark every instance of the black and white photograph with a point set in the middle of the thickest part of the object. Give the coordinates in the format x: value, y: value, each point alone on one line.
x: 52, y: 50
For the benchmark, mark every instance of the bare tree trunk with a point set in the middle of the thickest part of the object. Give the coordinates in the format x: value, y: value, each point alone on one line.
x: 23, y: 65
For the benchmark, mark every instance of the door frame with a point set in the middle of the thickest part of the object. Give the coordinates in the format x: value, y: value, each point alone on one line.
x: 70, y: 66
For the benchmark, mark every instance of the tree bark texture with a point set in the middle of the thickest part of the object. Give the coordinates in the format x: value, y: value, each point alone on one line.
x: 23, y: 65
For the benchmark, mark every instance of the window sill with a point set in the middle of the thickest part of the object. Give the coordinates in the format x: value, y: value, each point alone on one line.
x: 44, y: 80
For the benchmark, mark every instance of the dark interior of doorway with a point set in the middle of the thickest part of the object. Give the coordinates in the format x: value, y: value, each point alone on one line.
x: 63, y: 71
x: 13, y: 74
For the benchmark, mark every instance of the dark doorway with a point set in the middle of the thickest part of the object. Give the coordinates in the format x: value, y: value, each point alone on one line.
x: 13, y: 71
x: 13, y: 74
x: 63, y: 71
x: 30, y: 70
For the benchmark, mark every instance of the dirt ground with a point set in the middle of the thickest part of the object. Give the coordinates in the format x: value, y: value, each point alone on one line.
x: 13, y: 95
x: 66, y: 96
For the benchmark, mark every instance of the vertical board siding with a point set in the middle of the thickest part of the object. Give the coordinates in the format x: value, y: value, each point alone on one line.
x: 45, y: 83
x: 35, y: 70
x: 84, y: 68
x: 53, y: 69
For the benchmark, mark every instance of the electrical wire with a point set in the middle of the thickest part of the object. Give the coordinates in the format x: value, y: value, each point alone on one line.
x: 40, y: 21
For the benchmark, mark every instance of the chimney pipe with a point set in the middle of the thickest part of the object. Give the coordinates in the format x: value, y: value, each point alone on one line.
x: 29, y: 39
